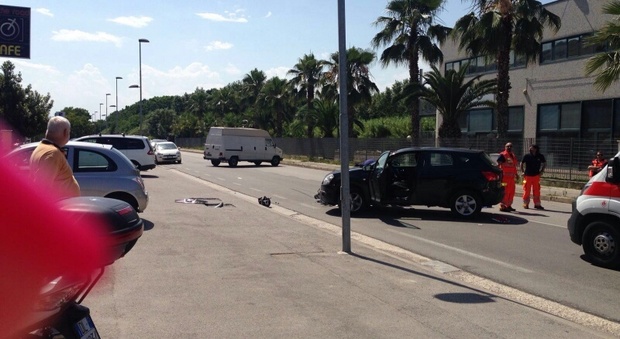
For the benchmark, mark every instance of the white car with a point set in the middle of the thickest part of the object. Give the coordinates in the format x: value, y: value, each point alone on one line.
x: 136, y: 147
x: 167, y: 152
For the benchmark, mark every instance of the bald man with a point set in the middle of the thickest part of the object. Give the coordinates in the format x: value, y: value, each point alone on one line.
x: 48, y: 164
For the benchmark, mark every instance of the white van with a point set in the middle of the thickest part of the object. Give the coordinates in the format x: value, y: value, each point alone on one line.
x: 231, y: 144
x: 595, y: 220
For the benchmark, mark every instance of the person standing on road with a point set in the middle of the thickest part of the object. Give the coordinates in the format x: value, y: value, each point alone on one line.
x: 533, y: 166
x: 507, y: 161
x: 48, y: 162
x: 597, y: 164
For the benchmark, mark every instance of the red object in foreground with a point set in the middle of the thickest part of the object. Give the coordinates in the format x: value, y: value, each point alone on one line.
x: 38, y: 242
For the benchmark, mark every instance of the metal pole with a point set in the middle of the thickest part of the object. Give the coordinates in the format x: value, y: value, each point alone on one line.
x: 116, y: 106
x: 140, y: 41
x: 100, y: 104
x: 345, y: 196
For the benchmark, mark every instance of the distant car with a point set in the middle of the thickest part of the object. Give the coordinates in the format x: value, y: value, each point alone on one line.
x: 101, y: 170
x: 136, y: 147
x: 167, y: 151
x: 463, y: 180
x: 155, y: 141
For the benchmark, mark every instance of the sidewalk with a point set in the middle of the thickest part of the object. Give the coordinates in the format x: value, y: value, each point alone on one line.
x: 548, y: 193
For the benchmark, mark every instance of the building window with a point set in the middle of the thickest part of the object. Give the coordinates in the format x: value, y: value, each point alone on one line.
x: 597, y: 115
x: 568, y: 48
x: 570, y: 117
x: 515, y: 119
x: 481, y: 120
x: 587, y: 119
x: 549, y: 117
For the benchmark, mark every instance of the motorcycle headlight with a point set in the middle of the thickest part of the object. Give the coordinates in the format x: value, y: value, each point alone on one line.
x: 58, y: 292
x: 328, y: 179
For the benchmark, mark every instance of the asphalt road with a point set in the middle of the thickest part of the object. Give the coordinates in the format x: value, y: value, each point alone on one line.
x: 245, y: 271
x: 528, y: 250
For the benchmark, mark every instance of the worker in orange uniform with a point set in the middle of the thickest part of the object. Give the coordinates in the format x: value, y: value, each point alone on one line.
x: 533, y: 166
x: 597, y: 164
x: 508, y: 163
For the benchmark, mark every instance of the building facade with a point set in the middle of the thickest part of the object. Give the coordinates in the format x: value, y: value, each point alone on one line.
x: 552, y: 98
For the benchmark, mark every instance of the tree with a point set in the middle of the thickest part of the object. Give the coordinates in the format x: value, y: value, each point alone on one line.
x: 325, y: 117
x: 452, y: 96
x: 500, y: 27
x: 606, y: 66
x: 360, y: 87
x: 25, y: 110
x: 306, y: 75
x: 409, y: 33
x: 275, y: 97
x: 80, y: 121
x: 253, y: 83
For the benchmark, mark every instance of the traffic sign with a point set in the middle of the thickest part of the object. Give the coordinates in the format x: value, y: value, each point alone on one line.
x: 14, y: 32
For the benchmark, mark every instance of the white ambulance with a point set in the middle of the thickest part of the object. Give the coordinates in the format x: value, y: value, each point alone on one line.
x: 232, y: 144
x: 595, y: 220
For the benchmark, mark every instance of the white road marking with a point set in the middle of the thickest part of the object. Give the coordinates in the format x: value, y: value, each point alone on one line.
x: 548, y: 224
x: 471, y: 254
x: 309, y: 206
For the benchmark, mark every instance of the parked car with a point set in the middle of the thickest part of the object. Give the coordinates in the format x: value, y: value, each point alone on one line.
x: 101, y: 170
x: 156, y: 141
x: 167, y: 151
x: 136, y: 147
x: 463, y: 180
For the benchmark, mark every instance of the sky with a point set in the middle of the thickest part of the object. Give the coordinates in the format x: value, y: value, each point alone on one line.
x: 79, y: 47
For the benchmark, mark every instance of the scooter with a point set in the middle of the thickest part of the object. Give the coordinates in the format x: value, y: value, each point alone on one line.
x: 59, y: 310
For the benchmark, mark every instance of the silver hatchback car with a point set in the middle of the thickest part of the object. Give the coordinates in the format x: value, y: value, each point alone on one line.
x: 101, y: 170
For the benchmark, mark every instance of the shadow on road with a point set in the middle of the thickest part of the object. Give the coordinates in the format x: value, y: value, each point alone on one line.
x: 401, y: 217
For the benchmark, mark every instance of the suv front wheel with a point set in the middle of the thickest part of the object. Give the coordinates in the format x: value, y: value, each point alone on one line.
x: 601, y: 243
x: 358, y: 202
x: 465, y: 204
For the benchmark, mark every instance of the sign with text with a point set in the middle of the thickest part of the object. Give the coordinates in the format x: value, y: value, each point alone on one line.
x: 14, y: 32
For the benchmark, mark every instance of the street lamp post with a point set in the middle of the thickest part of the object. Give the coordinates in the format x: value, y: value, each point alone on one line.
x: 140, y: 41
x: 140, y: 126
x: 106, y: 105
x: 116, y: 105
x: 100, y: 104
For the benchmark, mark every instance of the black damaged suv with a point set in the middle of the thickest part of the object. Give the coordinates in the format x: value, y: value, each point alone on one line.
x: 463, y: 180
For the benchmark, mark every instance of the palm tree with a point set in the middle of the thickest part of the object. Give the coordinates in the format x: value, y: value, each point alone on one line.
x: 606, y: 65
x: 253, y: 83
x: 452, y: 96
x: 198, y: 102
x: 500, y: 27
x: 409, y: 33
x: 306, y: 75
x: 275, y: 96
x: 360, y: 87
x: 325, y: 117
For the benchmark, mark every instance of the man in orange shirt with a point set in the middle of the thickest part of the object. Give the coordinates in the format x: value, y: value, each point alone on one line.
x: 48, y: 163
x: 507, y: 161
x: 597, y: 164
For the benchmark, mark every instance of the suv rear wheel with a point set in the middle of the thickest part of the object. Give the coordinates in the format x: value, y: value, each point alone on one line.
x: 465, y: 204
